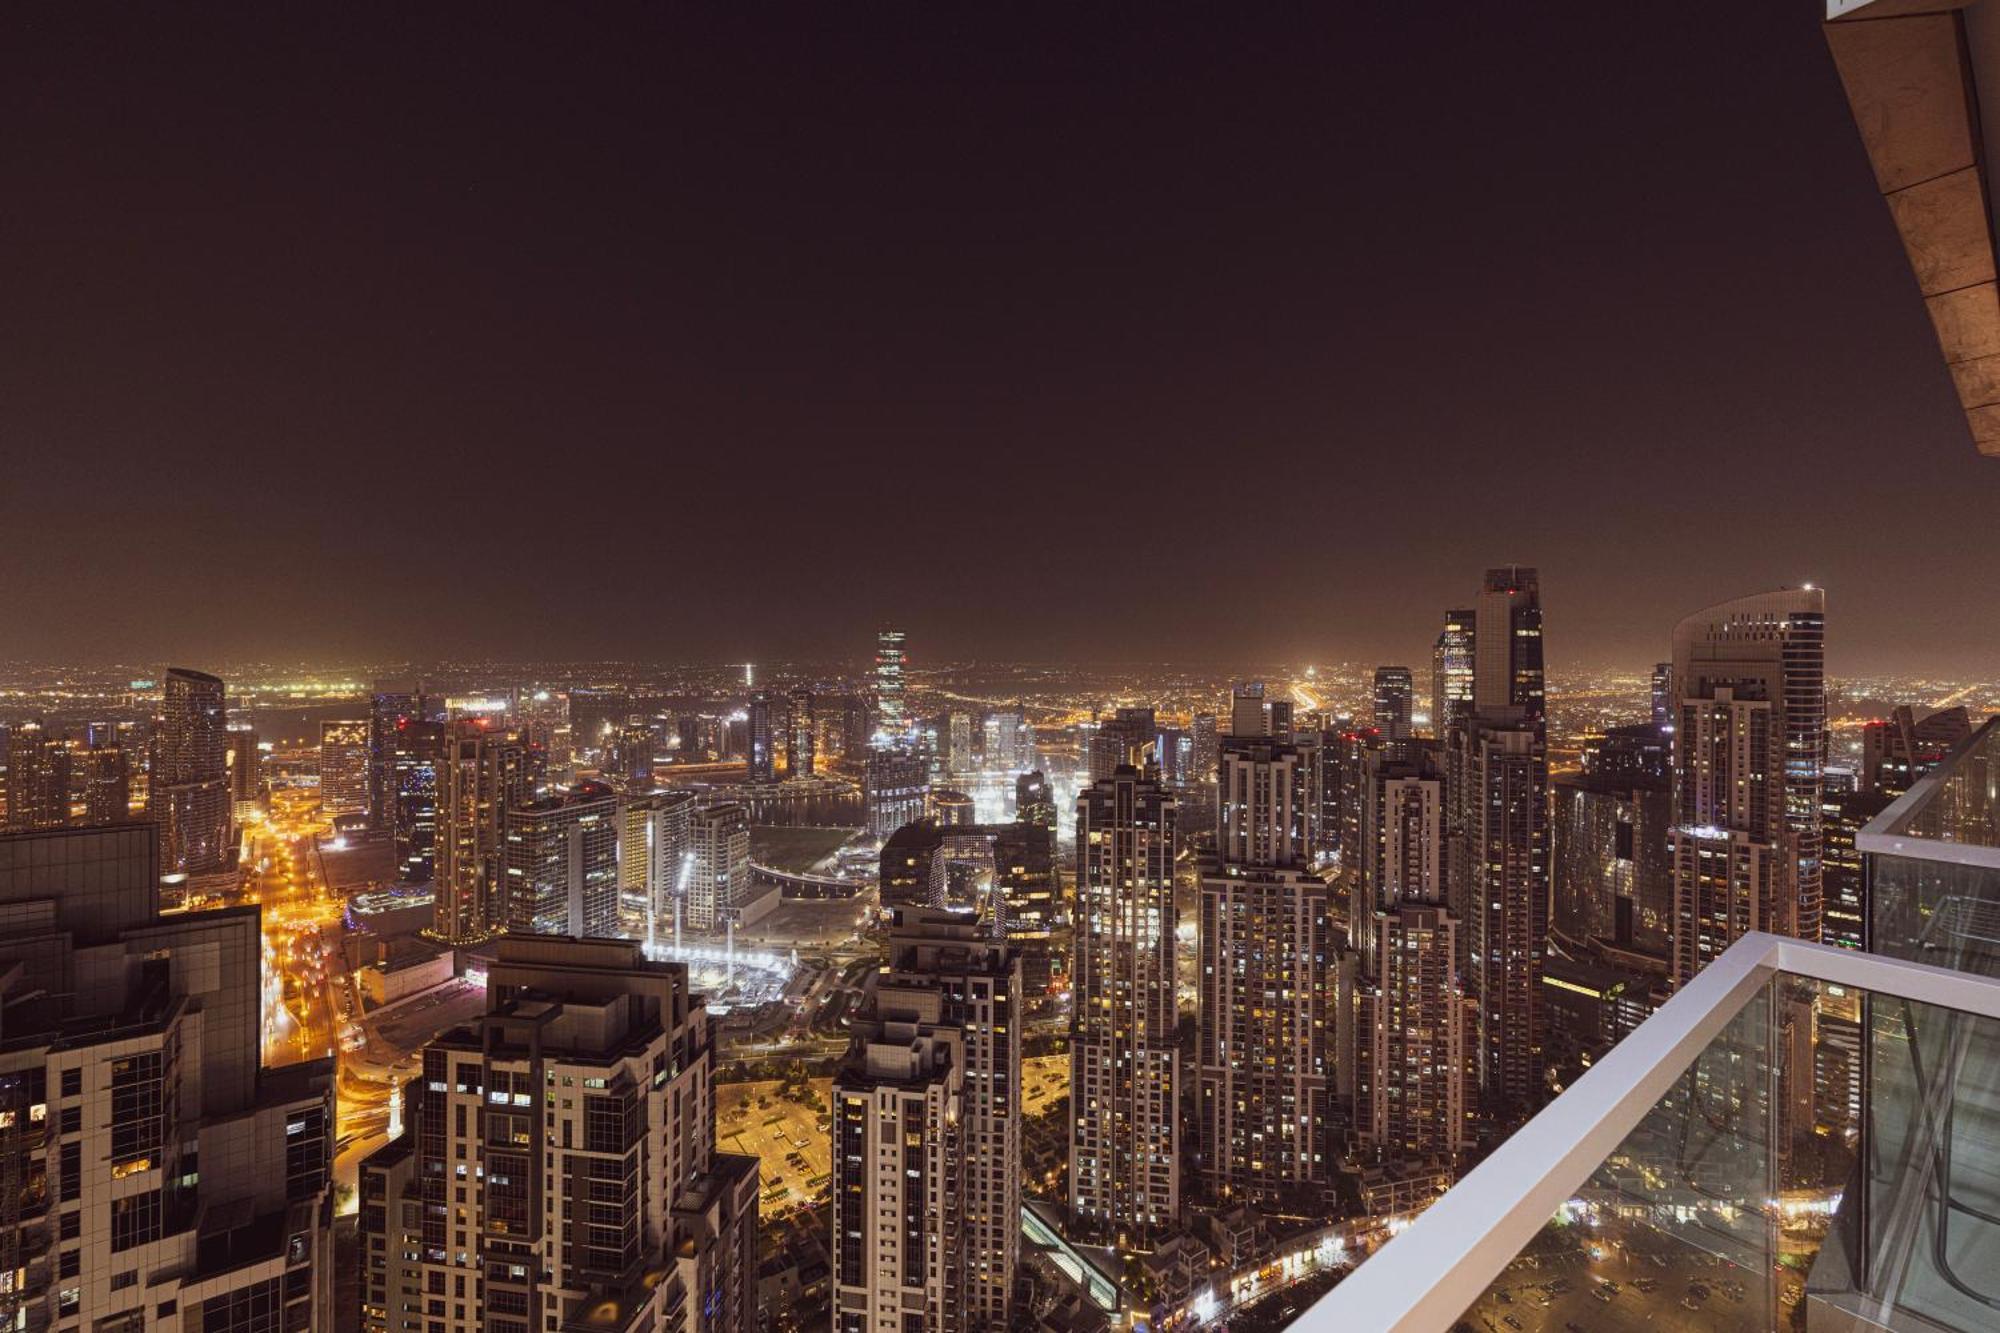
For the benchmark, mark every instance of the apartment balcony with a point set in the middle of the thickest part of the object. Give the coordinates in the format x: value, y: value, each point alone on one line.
x: 1803, y: 1137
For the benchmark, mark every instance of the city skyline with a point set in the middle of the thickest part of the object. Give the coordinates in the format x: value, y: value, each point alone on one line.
x: 580, y: 751
x: 899, y: 265
x: 854, y: 654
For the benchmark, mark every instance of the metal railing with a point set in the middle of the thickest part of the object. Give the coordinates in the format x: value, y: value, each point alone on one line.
x: 1426, y: 1279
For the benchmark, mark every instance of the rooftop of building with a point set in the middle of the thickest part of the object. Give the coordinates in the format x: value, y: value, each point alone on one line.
x: 43, y: 1019
x: 396, y: 1150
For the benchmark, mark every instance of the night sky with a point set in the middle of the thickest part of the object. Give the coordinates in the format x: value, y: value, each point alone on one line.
x: 1220, y: 336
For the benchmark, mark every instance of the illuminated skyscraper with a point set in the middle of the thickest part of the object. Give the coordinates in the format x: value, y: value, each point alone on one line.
x: 1610, y: 877
x: 1344, y: 755
x: 543, y: 716
x: 344, y: 768
x: 592, y: 1068
x: 38, y: 778
x: 1124, y: 1161
x: 892, y: 721
x: 1197, y: 776
x: 1507, y: 643
x: 1412, y: 1100
x: 1002, y: 737
x: 105, y: 775
x: 1395, y: 690
x: 1496, y: 812
x: 1451, y: 671
x: 1172, y: 752
x: 1500, y: 792
x: 1901, y: 748
x: 1207, y: 748
x: 719, y: 881
x: 893, y: 786
x: 1267, y: 990
x: 958, y: 756
x: 1246, y: 710
x: 1663, y: 694
x: 1034, y: 801
x: 188, y: 788
x: 1411, y: 1089
x: 1402, y: 853
x: 389, y: 704
x: 1845, y: 920
x: 802, y: 747
x: 245, y: 760
x: 416, y: 751
x: 763, y: 756
x: 482, y: 771
x: 1749, y: 760
x: 636, y: 751
x: 1130, y: 738
x: 561, y: 863
x: 655, y: 840
x: 927, y: 1136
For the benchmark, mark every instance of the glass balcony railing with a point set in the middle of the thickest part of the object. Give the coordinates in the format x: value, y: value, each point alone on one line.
x: 1934, y: 863
x: 1804, y: 1137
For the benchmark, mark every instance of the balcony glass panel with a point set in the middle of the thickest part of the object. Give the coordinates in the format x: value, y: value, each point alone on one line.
x: 1934, y: 864
x: 1933, y: 1214
x: 1674, y: 1228
x: 1805, y: 1137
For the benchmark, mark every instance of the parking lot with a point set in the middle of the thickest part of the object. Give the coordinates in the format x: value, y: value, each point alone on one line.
x: 1044, y: 1079
x: 794, y: 1153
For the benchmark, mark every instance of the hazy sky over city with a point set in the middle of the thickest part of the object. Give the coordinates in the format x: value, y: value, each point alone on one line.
x: 1227, y: 334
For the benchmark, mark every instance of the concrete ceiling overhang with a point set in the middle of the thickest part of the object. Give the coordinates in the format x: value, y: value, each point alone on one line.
x: 1914, y: 71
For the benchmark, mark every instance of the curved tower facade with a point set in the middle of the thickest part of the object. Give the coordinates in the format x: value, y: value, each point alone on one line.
x: 1749, y: 680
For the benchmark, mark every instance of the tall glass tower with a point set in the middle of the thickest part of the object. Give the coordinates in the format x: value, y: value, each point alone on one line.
x: 892, y: 719
x: 188, y: 790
